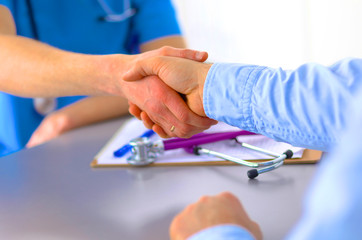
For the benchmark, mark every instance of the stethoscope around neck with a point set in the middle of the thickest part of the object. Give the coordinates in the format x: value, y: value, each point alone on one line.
x: 44, y: 106
x: 112, y: 16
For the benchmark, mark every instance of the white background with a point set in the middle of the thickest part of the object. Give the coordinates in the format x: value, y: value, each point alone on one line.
x: 276, y: 33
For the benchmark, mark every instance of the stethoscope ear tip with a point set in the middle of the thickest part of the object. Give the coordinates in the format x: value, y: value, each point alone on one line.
x: 253, y: 173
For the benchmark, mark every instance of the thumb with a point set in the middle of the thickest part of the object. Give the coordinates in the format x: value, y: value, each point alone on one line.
x: 143, y: 68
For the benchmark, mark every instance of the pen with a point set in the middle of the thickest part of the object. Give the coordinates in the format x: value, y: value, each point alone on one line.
x: 126, y: 148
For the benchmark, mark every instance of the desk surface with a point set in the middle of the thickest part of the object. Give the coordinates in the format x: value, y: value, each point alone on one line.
x: 51, y: 192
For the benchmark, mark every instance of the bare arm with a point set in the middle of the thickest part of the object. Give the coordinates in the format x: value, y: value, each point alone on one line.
x: 84, y: 112
x: 30, y: 68
x: 33, y: 69
x: 92, y: 109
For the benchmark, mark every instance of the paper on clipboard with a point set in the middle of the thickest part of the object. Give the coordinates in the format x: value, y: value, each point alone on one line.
x: 134, y: 128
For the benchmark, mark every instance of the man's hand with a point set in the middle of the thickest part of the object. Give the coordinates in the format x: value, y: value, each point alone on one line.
x: 185, y: 76
x: 224, y: 208
x: 165, y: 107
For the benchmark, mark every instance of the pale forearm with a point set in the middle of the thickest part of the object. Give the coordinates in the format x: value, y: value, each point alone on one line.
x: 90, y: 110
x: 31, y: 68
x: 84, y: 112
x: 96, y: 109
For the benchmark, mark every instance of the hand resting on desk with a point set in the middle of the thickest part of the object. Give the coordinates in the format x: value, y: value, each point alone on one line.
x: 211, y: 211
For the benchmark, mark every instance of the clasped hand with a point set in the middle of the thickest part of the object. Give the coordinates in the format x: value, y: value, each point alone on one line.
x: 181, y: 76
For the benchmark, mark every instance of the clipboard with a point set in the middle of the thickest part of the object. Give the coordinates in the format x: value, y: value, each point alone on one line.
x: 133, y: 128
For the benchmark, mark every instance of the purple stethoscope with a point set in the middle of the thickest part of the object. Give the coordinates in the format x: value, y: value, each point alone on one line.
x: 145, y: 152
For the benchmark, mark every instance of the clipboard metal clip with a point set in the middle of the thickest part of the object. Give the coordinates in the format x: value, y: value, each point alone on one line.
x: 145, y: 152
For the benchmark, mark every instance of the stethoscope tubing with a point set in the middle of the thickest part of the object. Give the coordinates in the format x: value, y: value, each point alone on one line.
x: 112, y: 16
x: 143, y: 149
x: 253, y: 173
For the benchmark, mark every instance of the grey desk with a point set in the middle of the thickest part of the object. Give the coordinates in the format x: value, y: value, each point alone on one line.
x: 50, y: 192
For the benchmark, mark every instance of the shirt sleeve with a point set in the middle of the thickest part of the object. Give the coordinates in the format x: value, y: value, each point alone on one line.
x: 222, y: 232
x: 302, y: 107
x: 154, y: 19
x: 333, y: 207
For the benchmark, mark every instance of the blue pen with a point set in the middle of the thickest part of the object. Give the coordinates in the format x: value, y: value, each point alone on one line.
x: 126, y: 148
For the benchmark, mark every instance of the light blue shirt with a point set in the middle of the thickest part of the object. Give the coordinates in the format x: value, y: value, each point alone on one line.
x: 77, y: 26
x: 312, y: 106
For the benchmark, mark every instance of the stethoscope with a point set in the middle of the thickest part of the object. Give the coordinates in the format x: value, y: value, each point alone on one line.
x: 112, y: 16
x: 44, y: 106
x: 145, y: 152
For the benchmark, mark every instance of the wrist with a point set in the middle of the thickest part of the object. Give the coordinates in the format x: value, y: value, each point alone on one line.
x: 204, y: 70
x: 202, y: 75
x: 109, y: 70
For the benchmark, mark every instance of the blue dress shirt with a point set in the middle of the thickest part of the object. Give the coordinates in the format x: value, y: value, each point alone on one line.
x: 302, y: 107
x: 313, y: 106
x: 77, y: 26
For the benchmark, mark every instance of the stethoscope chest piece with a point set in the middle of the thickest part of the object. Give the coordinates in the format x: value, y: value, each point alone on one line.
x: 142, y: 153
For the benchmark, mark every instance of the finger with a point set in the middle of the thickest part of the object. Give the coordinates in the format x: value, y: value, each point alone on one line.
x: 183, y: 113
x: 170, y: 125
x: 163, y: 115
x: 147, y: 120
x: 143, y: 68
x: 157, y: 129
x: 32, y: 142
x: 229, y: 197
x: 134, y: 110
x: 167, y: 120
x: 190, y: 54
x: 147, y: 66
x: 37, y: 138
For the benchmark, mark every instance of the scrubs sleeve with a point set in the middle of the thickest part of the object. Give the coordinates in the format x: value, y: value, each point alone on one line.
x: 154, y: 19
x: 304, y: 107
x: 224, y: 232
x: 6, y: 3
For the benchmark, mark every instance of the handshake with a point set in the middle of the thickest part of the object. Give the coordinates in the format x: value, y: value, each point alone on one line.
x: 169, y: 98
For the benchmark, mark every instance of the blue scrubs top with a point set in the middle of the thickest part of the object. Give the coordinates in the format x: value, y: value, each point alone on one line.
x: 77, y: 26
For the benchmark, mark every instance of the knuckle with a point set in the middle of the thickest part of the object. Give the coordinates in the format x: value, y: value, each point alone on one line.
x: 152, y: 108
x: 164, y: 51
x: 189, y: 208
x: 175, y: 225
x: 184, y: 117
x: 186, y: 131
x: 204, y: 199
x: 227, y: 195
x: 137, y: 63
x: 181, y: 134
